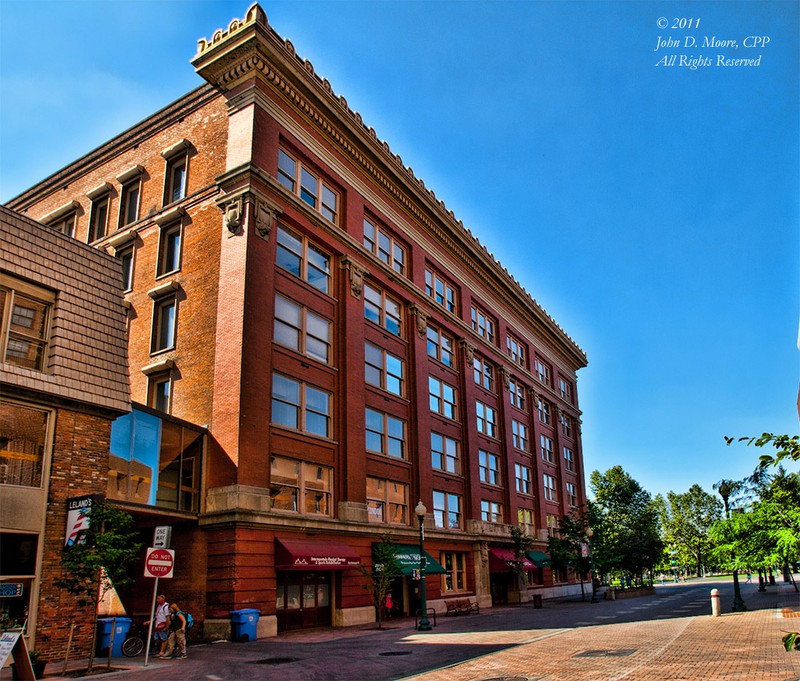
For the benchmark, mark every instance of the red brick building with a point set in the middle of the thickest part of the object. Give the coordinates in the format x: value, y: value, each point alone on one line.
x: 349, y: 345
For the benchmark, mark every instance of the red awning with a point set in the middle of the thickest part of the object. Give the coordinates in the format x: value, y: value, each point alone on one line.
x: 503, y: 560
x: 307, y: 554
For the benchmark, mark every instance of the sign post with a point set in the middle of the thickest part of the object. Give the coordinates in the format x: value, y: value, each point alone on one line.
x: 158, y: 562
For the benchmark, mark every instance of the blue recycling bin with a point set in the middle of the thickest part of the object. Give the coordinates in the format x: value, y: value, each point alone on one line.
x: 105, y: 625
x: 244, y: 624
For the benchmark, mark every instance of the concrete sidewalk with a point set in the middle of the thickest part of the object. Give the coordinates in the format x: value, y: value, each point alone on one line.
x: 667, y: 637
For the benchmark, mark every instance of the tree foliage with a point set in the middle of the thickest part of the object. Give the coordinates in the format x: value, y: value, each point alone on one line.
x: 686, y: 520
x: 385, y: 569
x: 786, y: 446
x: 107, y: 557
x: 625, y: 523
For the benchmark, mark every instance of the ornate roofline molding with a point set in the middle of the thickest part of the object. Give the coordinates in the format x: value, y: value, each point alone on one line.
x: 251, y: 48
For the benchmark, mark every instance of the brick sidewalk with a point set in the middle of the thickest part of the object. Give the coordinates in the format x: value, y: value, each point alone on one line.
x: 736, y: 646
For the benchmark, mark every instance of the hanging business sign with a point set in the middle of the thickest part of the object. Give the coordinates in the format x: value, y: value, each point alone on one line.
x: 78, y: 509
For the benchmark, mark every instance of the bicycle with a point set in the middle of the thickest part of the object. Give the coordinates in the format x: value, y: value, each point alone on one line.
x: 134, y: 642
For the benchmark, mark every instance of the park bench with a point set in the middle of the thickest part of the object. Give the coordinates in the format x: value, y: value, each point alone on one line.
x: 461, y: 606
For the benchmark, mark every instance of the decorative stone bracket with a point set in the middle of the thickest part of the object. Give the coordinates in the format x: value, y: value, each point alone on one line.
x: 469, y: 351
x: 357, y: 273
x: 239, y: 211
x: 422, y: 320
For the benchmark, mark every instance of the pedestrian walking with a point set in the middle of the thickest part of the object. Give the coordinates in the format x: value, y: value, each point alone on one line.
x: 161, y: 625
x: 177, y: 636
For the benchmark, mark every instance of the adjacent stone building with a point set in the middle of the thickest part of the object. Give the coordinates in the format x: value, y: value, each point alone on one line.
x: 348, y: 344
x: 63, y: 380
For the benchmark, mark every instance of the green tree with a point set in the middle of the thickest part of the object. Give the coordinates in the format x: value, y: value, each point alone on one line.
x: 385, y: 569
x: 686, y: 519
x: 728, y: 490
x: 625, y: 524
x: 107, y: 557
x: 786, y: 446
x: 568, y: 548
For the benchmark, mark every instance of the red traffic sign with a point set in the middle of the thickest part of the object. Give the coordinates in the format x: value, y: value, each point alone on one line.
x: 159, y: 563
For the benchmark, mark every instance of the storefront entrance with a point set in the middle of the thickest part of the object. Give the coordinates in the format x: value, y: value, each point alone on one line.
x: 303, y: 600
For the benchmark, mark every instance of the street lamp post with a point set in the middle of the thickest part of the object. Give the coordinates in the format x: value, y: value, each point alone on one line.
x: 589, y: 535
x: 424, y: 624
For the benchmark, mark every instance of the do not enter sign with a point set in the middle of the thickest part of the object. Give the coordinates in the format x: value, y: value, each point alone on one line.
x: 159, y: 563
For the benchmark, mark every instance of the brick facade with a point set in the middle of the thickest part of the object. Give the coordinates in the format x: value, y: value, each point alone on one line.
x: 262, y: 100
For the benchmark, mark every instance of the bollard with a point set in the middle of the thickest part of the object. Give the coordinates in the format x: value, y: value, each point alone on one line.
x: 715, y: 602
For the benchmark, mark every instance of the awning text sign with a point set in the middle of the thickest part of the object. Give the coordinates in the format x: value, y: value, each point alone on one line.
x: 159, y: 563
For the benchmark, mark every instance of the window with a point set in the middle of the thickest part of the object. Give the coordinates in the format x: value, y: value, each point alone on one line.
x: 569, y: 459
x: 542, y: 371
x: 302, y: 330
x: 64, y: 224
x: 300, y: 487
x: 387, y: 501
x: 307, y: 185
x: 552, y: 525
x: 378, y: 242
x: 98, y: 217
x: 516, y: 350
x: 566, y: 424
x: 487, y: 419
x: 159, y: 392
x: 516, y: 392
x: 482, y: 324
x: 572, y: 494
x: 440, y: 290
x: 440, y: 346
x: 546, y: 448
x: 175, y: 178
x: 455, y: 565
x: 483, y: 373
x: 491, y: 512
x: 565, y: 390
x: 25, y: 327
x: 304, y: 260
x: 525, y: 521
x: 382, y: 369
x: 164, y: 313
x: 169, y: 249
x: 23, y: 443
x: 522, y: 475
x: 445, y: 454
x: 442, y: 398
x: 549, y: 488
x: 301, y: 406
x: 519, y: 435
x: 381, y: 309
x: 129, y: 201
x: 385, y: 434
x: 489, y: 467
x: 543, y: 410
x: 446, y: 510
x: 126, y: 256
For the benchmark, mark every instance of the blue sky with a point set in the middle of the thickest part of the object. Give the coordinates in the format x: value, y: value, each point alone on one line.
x: 651, y: 210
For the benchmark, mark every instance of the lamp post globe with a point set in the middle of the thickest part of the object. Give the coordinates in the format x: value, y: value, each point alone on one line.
x: 589, y: 535
x: 420, y: 511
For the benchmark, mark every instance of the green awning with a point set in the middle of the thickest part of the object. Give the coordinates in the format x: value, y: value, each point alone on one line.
x: 538, y: 558
x: 408, y: 560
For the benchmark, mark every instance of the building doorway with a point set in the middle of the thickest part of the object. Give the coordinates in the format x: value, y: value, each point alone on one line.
x: 303, y: 599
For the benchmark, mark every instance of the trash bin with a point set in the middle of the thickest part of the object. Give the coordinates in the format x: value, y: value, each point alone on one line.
x: 537, y: 600
x: 244, y: 624
x: 105, y: 625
